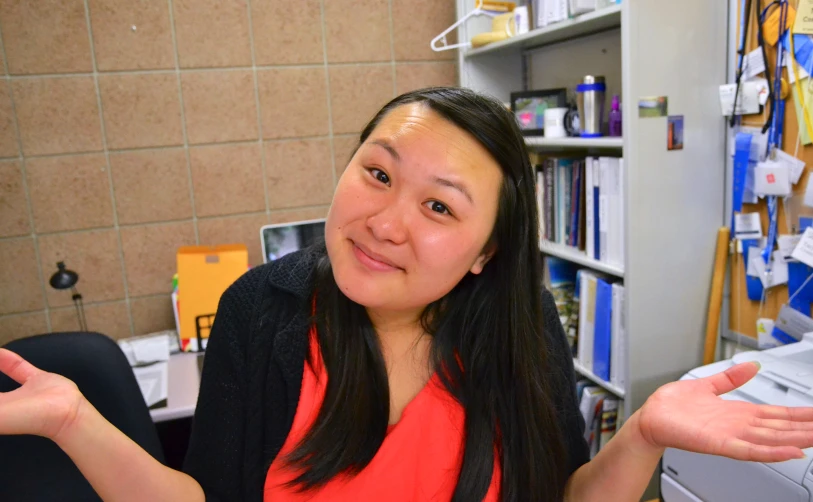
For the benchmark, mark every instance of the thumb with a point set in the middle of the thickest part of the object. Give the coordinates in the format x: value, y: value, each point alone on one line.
x: 733, y: 377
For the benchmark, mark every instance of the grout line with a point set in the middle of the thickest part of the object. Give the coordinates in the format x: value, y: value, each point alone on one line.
x: 165, y: 147
x: 183, y: 122
x: 169, y: 71
x: 327, y: 91
x: 258, y: 110
x: 392, y: 51
x: 149, y: 224
x: 109, y: 169
x: 26, y: 191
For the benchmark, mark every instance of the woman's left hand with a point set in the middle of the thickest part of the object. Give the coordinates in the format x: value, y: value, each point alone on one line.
x: 690, y: 415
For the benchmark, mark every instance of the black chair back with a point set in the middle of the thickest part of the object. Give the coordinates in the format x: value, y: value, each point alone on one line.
x: 34, y: 468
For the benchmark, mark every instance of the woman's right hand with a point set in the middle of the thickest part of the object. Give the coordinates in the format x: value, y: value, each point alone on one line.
x: 46, y: 404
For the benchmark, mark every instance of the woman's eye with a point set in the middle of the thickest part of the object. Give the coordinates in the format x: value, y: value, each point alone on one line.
x: 438, y: 207
x: 380, y: 176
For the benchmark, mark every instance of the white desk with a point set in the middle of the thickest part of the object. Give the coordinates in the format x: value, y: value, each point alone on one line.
x: 183, y: 385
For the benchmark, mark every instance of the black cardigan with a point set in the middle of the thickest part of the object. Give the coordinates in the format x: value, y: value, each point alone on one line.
x: 252, y: 374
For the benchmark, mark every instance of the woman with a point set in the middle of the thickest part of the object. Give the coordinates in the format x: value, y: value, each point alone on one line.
x: 417, y: 357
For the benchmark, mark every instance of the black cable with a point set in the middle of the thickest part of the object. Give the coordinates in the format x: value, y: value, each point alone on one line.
x: 741, y: 52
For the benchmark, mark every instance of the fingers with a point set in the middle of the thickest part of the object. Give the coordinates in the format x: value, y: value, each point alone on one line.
x: 797, y: 414
x: 743, y: 450
x: 17, y: 368
x: 772, y: 437
x: 732, y: 378
x: 784, y: 425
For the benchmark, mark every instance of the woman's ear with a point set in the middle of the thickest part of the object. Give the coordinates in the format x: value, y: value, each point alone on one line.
x: 481, y: 261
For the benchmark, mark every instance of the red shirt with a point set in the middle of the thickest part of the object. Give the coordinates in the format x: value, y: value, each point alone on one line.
x: 419, y: 459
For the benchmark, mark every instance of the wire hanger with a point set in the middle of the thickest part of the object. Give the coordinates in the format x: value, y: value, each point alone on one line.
x: 483, y: 8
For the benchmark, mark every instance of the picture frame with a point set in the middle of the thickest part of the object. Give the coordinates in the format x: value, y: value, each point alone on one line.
x: 529, y: 108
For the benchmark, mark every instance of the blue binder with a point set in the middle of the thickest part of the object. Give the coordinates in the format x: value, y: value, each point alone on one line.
x: 603, y: 329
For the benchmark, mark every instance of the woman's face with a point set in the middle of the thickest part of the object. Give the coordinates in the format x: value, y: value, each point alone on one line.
x: 413, y: 212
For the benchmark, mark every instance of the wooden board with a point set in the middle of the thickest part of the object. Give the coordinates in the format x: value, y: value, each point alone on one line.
x: 743, y: 313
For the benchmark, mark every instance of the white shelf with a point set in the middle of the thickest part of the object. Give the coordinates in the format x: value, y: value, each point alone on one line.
x: 575, y: 143
x: 581, y: 370
x: 579, y: 26
x: 576, y: 256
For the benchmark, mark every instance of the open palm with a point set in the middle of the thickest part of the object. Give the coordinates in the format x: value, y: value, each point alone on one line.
x: 690, y: 415
x: 43, y: 405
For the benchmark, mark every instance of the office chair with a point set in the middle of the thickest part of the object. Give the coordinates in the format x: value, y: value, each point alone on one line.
x: 36, y: 469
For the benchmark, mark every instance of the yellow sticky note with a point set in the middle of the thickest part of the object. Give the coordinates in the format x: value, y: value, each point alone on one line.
x: 770, y: 29
x: 808, y: 96
x: 804, y: 18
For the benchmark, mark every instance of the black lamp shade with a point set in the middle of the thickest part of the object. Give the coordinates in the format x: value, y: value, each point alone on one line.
x: 63, y: 278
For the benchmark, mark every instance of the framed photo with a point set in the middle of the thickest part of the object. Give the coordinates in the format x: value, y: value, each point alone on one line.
x: 529, y: 108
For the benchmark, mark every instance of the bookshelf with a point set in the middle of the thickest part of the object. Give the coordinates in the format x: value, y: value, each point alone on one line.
x: 672, y: 199
x: 581, y: 370
x: 585, y: 24
x: 579, y: 257
x: 539, y: 143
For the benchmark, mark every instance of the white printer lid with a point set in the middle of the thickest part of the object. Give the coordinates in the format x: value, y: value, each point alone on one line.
x: 785, y: 379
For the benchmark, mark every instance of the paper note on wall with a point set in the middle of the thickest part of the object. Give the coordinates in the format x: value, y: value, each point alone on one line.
x: 204, y: 273
x: 808, y: 97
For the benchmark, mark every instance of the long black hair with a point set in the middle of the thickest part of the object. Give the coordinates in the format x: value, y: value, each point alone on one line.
x: 488, y: 341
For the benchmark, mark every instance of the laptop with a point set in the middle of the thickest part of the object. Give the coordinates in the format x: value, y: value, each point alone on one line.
x: 284, y: 238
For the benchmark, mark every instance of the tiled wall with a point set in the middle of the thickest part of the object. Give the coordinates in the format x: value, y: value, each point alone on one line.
x: 129, y: 128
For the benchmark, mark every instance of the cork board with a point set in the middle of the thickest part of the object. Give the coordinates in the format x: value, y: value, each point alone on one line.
x: 743, y: 313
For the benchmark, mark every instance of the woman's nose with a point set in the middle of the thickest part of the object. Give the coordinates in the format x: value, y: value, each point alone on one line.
x: 389, y: 224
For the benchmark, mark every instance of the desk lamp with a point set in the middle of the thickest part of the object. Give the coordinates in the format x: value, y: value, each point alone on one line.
x: 67, y: 279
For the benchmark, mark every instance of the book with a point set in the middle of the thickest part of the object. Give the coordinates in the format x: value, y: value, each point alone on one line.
x: 561, y: 279
x: 603, y: 330
x: 540, y: 200
x: 587, y: 310
x: 609, y: 416
x: 590, y: 406
x: 618, y: 337
x: 588, y: 208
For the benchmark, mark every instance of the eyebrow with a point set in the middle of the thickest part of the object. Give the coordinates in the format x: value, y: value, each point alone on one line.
x: 457, y: 186
x: 386, y: 146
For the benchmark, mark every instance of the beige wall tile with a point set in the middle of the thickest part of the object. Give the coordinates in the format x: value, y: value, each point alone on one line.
x: 8, y: 132
x: 13, y: 207
x: 109, y: 319
x: 45, y: 36
x: 69, y: 193
x: 150, y: 255
x: 277, y: 25
x: 141, y: 110
x: 357, y: 31
x: 227, y: 179
x: 93, y: 255
x: 219, y: 106
x: 343, y: 148
x: 57, y: 115
x: 290, y: 215
x: 243, y: 229
x: 293, y: 102
x: 151, y: 314
x: 151, y: 185
x: 356, y: 94
x: 119, y: 47
x: 298, y: 173
x: 14, y: 327
x: 412, y: 76
x: 22, y: 290
x: 212, y: 33
x: 416, y: 23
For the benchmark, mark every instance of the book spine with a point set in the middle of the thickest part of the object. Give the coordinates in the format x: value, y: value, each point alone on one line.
x: 550, y: 194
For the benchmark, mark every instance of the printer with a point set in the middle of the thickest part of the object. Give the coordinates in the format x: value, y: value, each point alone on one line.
x: 786, y: 379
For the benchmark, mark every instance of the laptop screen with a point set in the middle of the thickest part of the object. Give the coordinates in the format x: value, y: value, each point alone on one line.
x: 279, y: 240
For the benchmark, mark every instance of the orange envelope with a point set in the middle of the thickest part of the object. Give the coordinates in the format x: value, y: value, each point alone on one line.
x: 204, y: 273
